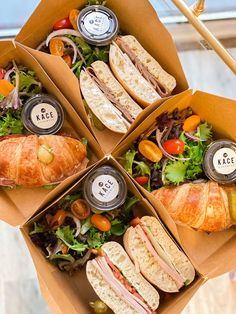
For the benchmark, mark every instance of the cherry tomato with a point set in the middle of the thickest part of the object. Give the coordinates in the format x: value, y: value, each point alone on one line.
x: 2, y: 73
x: 191, y: 123
x: 73, y: 16
x: 100, y: 222
x: 174, y: 146
x: 6, y: 87
x: 150, y: 150
x: 58, y: 219
x: 56, y: 47
x: 67, y: 60
x: 63, y: 23
x: 80, y: 209
x: 142, y: 180
x: 134, y: 222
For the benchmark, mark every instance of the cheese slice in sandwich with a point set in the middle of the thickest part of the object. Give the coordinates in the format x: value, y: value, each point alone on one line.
x: 157, y: 256
x: 107, y: 99
x: 163, y: 82
x: 117, y: 283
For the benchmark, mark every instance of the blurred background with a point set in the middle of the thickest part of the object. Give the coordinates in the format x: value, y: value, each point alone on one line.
x: 19, y: 292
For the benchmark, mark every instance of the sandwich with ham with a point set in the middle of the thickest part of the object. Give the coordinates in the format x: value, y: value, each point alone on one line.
x: 139, y: 73
x: 157, y: 257
x: 107, y: 99
x: 116, y: 282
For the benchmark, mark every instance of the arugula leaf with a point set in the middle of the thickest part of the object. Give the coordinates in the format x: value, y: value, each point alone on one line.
x: 204, y: 131
x: 142, y: 169
x: 65, y: 234
x: 11, y: 123
x: 38, y: 228
x: 176, y: 171
x: 128, y: 161
x: 1, y: 97
x: 66, y: 257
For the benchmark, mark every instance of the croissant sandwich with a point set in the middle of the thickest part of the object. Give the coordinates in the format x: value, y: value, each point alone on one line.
x: 157, y: 256
x: 34, y: 161
x: 203, y: 206
x: 140, y: 74
x: 116, y: 282
x: 107, y: 99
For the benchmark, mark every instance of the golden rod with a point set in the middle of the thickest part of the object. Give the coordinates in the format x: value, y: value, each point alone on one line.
x: 206, y: 34
x: 199, y: 7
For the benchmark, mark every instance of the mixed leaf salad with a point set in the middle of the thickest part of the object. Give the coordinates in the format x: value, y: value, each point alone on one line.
x: 70, y: 232
x: 65, y: 41
x: 170, y: 152
x: 17, y: 84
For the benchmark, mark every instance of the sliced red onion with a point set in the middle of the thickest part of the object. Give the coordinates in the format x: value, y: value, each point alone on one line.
x: 77, y: 222
x: 72, y: 44
x: 41, y: 45
x: 62, y: 32
x: 194, y: 138
x: 8, y: 73
x: 159, y: 135
x: 55, y: 249
x: 81, y: 56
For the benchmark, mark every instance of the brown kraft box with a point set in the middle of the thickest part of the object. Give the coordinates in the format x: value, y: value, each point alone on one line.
x: 214, y: 253
x: 133, y: 16
x: 20, y: 203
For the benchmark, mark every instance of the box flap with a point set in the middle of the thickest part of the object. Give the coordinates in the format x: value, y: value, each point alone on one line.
x: 73, y: 293
x: 19, y: 204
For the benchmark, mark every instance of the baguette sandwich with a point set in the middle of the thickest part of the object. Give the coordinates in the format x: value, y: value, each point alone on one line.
x: 139, y: 73
x: 115, y: 281
x: 107, y: 99
x: 157, y: 256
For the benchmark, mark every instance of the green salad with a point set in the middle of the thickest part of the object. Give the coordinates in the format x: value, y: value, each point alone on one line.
x: 70, y: 232
x: 170, y: 152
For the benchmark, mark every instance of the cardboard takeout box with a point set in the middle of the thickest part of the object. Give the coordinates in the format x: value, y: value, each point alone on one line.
x: 72, y: 294
x: 17, y: 205
x: 214, y: 254
x: 135, y: 17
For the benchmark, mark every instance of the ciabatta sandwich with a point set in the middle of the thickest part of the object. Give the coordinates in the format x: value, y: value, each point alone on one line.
x: 139, y: 73
x: 116, y: 282
x: 107, y: 99
x: 157, y: 257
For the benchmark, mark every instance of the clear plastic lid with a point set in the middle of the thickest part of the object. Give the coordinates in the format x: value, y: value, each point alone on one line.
x: 98, y: 25
x: 220, y: 161
x: 105, y: 188
x: 42, y: 114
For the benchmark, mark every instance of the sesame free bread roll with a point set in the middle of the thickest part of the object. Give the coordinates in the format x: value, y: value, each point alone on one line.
x: 130, y: 78
x: 104, y: 74
x: 165, y: 80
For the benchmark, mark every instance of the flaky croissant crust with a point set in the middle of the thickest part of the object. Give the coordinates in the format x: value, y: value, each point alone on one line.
x: 21, y: 165
x: 203, y: 206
